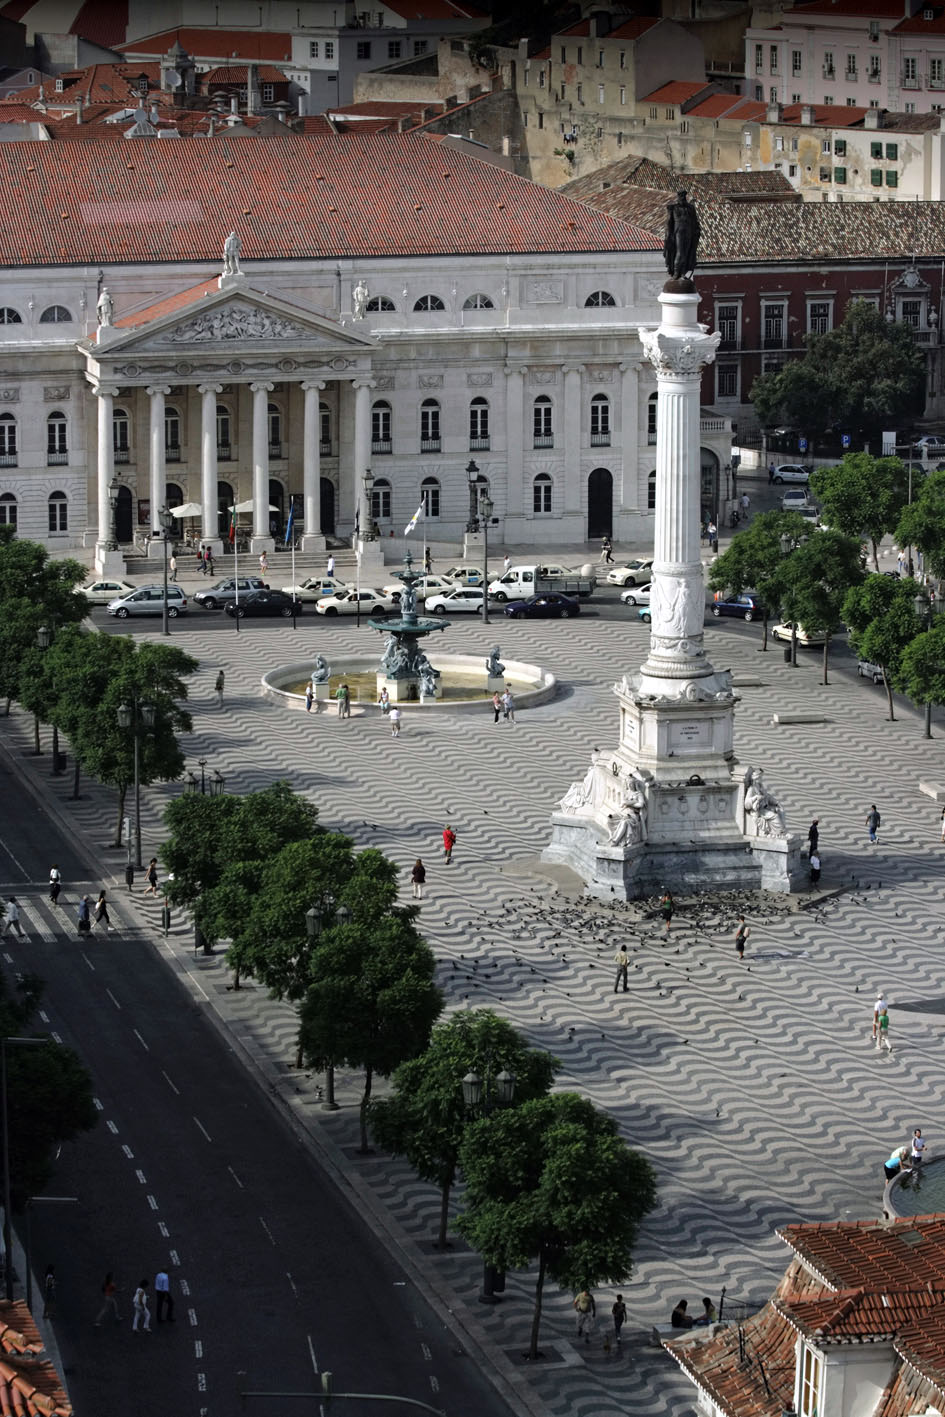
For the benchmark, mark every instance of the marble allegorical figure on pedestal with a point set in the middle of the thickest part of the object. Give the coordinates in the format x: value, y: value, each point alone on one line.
x: 764, y: 815
x: 494, y: 665
x: 232, y: 247
x: 321, y: 673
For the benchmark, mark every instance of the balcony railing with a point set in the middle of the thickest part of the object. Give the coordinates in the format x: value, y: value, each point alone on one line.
x: 480, y: 445
x: 872, y: 78
x: 60, y: 459
x: 729, y: 344
x: 324, y: 448
x: 938, y: 82
x: 172, y: 452
x: 8, y: 460
x: 122, y: 455
x: 430, y: 445
x: 224, y: 452
x: 910, y: 81
x: 774, y: 342
x: 851, y: 76
x: 382, y: 445
x: 276, y: 450
x: 544, y: 440
x: 829, y: 72
x: 600, y: 440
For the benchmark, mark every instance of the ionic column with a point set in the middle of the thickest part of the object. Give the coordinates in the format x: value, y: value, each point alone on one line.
x: 515, y: 437
x: 311, y: 467
x: 157, y: 394
x: 629, y: 493
x: 572, y: 438
x: 262, y: 541
x: 679, y: 350
x: 208, y: 462
x: 362, y: 446
x: 107, y: 558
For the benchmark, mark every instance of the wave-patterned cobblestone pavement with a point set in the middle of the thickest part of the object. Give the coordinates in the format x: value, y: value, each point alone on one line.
x: 753, y: 1088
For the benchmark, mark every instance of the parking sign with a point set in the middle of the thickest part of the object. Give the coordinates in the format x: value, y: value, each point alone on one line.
x: 802, y: 445
x: 844, y: 440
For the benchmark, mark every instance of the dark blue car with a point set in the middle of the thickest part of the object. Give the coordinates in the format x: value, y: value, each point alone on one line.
x: 745, y: 606
x: 551, y: 604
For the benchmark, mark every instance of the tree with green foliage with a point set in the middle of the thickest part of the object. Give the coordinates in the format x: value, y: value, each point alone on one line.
x: 880, y: 614
x: 372, y: 1001
x: 426, y: 1119
x: 553, y: 1181
x: 49, y: 1092
x: 815, y: 578
x: 922, y: 666
x: 866, y: 375
x: 755, y: 561
x: 922, y: 523
x: 863, y: 496
x: 34, y: 590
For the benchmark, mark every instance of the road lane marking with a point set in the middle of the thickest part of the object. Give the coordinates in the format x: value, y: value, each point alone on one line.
x: 292, y: 1284
x: 152, y: 1203
x: 113, y: 999
x: 192, y: 1317
x: 198, y: 1348
x: 128, y: 1152
x: 175, y: 1260
x: 175, y: 1090
x: 141, y: 1040
x: 163, y: 1229
x: 88, y: 962
x: 236, y: 1178
x: 141, y: 1177
x: 425, y: 1350
x: 311, y: 1352
x: 268, y: 1231
x: 203, y: 1129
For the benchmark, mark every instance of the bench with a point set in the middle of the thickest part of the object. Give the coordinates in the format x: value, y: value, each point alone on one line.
x: 935, y: 790
x: 783, y: 718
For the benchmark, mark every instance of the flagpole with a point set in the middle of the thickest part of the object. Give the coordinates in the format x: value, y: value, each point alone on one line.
x: 236, y: 568
x: 290, y: 536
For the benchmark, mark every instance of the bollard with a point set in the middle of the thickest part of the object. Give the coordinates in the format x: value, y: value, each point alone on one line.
x: 129, y: 875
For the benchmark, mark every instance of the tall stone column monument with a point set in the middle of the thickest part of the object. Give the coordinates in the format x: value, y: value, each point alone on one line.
x: 669, y: 806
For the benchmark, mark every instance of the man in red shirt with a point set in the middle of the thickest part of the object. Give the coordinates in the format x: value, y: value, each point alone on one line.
x: 449, y: 841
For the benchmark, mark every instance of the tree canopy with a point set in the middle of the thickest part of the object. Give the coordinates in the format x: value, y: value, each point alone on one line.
x: 425, y: 1119
x: 552, y: 1180
x: 880, y: 615
x: 922, y: 666
x: 754, y: 559
x: 863, y: 496
x: 34, y: 590
x: 865, y: 376
x: 922, y: 524
x: 814, y: 580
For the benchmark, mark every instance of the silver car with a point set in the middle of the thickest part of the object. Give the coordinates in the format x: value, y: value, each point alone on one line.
x: 149, y: 600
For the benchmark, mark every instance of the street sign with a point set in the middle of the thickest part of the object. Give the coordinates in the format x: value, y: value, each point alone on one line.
x: 844, y: 440
x: 802, y: 445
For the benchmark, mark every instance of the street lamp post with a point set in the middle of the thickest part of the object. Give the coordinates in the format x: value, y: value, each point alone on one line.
x: 208, y: 786
x: 472, y: 472
x: 7, y: 1198
x: 167, y: 525
x: 133, y: 716
x: 367, y: 482
x: 479, y: 1097
x: 113, y: 490
x: 788, y: 544
x: 44, y: 638
x: 485, y: 508
x: 314, y: 921
x: 925, y: 610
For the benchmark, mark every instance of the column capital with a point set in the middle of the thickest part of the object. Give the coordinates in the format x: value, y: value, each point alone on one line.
x: 318, y: 384
x: 364, y: 381
x: 209, y: 389
x: 106, y: 391
x: 152, y: 389
x: 261, y: 387
x: 630, y: 366
x: 572, y: 369
x: 683, y: 355
x: 516, y: 369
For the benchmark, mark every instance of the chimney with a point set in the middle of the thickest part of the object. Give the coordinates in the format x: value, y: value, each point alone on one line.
x: 872, y: 118
x: 807, y: 115
x: 775, y: 112
x: 78, y: 109
x: 523, y: 51
x: 234, y: 104
x: 250, y: 89
x: 302, y: 98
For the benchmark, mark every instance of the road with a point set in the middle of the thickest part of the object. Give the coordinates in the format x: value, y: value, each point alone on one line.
x: 191, y: 1169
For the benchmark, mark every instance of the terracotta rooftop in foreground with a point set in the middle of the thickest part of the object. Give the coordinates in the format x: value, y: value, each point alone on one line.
x: 872, y: 1254
x: 29, y: 1384
x: 211, y: 43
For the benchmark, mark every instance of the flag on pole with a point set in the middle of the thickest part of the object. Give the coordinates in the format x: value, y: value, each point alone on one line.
x: 413, y: 520
x: 289, y: 524
x: 232, y: 533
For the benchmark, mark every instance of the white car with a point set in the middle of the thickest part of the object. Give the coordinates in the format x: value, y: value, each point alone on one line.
x: 804, y: 637
x: 633, y: 573
x: 465, y: 601
x: 101, y: 592
x: 317, y: 587
x: 792, y: 472
x: 794, y: 499
x: 346, y: 602
x: 426, y: 585
x: 636, y: 595
x: 866, y: 669
x: 464, y: 575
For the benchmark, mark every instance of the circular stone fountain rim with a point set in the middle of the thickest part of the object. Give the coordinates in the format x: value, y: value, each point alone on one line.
x: 517, y: 671
x: 889, y: 1206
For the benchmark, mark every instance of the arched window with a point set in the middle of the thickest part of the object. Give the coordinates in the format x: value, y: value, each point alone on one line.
x: 600, y: 421
x: 57, y: 445
x: 7, y: 509
x: 174, y: 496
x: 430, y: 427
x: 651, y: 407
x: 171, y: 435
x: 380, y: 304
x: 9, y: 316
x: 7, y: 440
x: 478, y: 302
x: 224, y: 447
x: 542, y: 413
x: 599, y: 298
x: 380, y: 428
x: 479, y: 425
x: 541, y: 495
x: 324, y: 430
x: 651, y: 492
x: 430, y: 497
x: 429, y: 302
x: 120, y: 435
x: 58, y: 512
x: 274, y: 417
x: 380, y: 500
x: 55, y: 315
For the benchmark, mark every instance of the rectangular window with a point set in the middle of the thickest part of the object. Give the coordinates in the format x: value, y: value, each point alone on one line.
x: 892, y: 151
x: 876, y: 149
x: 825, y: 174
x: 430, y: 427
x: 541, y: 120
x: 774, y: 58
x: 811, y: 1380
x: 363, y: 49
x: 623, y: 94
x: 876, y: 68
x: 651, y: 416
x: 818, y: 317
x: 600, y: 93
x: 380, y: 504
x: 393, y: 52
x: 910, y: 72
x: 840, y: 147
x: 313, y: 49
x: 726, y: 322
x: 600, y: 59
x: 828, y: 64
x: 825, y: 146
x: 795, y: 98
x: 746, y: 137
x: 58, y: 514
x: 851, y: 66
x: 936, y: 73
x: 908, y: 108
x: 420, y: 47
x: 778, y: 144
x: 827, y: 99
x: 876, y: 176
x: 623, y: 59
x: 541, y: 495
x: 541, y: 78
x: 759, y: 58
x: 564, y: 55
x: 840, y: 175
x: 684, y: 126
x: 268, y: 93
x: 726, y: 381
x: 773, y: 317
x: 670, y: 113
x: 654, y: 113
x: 430, y: 497
x: 329, y: 49
x: 580, y: 54
x: 910, y: 313
x: 772, y: 95
x: 795, y: 62
x: 892, y: 178
x: 580, y: 93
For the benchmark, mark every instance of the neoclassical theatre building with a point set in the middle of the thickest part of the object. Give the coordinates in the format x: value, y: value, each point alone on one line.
x: 253, y: 321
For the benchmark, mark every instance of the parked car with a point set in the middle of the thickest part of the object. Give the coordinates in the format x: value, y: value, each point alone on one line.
x: 264, y: 602
x: 635, y: 572
x: 315, y: 588
x: 101, y: 592
x: 636, y: 595
x: 745, y: 606
x: 551, y: 605
x: 149, y: 600
x: 645, y: 614
x: 795, y: 499
x: 930, y: 445
x: 807, y: 638
x: 426, y: 585
x: 465, y: 601
x: 867, y: 670
x: 346, y: 602
x: 219, y: 596
x: 464, y: 575
x: 791, y: 472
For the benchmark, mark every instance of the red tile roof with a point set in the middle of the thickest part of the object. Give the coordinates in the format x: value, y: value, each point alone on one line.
x: 854, y: 1315
x: 103, y: 22
x: 918, y: 24
x: 212, y: 43
x: 167, y: 307
x: 830, y: 114
x: 730, y: 1366
x: 29, y: 1385
x: 99, y: 83
x: 633, y: 29
x: 677, y: 91
x: 312, y: 197
x: 872, y: 1254
x: 924, y: 1348
x: 715, y: 105
x: 239, y: 74
x: 581, y: 29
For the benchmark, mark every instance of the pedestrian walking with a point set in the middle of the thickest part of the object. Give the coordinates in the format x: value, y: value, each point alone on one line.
x: 606, y: 550
x: 813, y: 836
x: 746, y: 506
x: 586, y: 1311
x: 497, y: 709
x: 508, y: 706
x: 418, y: 875
x: 449, y: 841
x: 742, y: 931
x: 85, y: 916
x: 152, y: 877
x: 164, y: 1299
x: 383, y: 700
x: 918, y: 1147
x: 330, y: 568
x: 667, y: 908
x: 943, y: 823
x: 101, y: 911
x: 506, y: 564
x: 11, y: 918
x: 900, y: 562
x: 882, y: 1032
x: 394, y: 717
x: 55, y: 884
x: 309, y: 696
x: 109, y: 1301
x: 49, y: 1291
x: 712, y: 532
x: 208, y: 560
x: 427, y: 561
x: 202, y: 560
x: 873, y: 822
x: 878, y: 1008
x: 343, y: 698
x: 619, y: 1312
x: 622, y: 961
x: 898, y: 1161
x: 263, y: 564
x: 173, y: 565
x: 218, y: 686
x: 140, y: 1305
x: 770, y: 473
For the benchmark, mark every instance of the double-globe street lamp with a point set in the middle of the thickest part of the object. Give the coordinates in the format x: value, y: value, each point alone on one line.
x: 787, y: 544
x: 314, y: 921
x: 137, y: 716
x: 207, y: 786
x: 481, y: 508
x: 481, y: 1098
x: 114, y: 487
x: 167, y: 526
x: 925, y: 609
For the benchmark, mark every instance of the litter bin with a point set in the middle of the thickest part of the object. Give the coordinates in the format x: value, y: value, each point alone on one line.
x: 129, y: 875
x: 165, y: 918
x: 59, y: 763
x: 787, y: 654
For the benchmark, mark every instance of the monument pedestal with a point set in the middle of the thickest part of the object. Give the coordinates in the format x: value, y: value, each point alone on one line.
x: 322, y: 693
x: 109, y: 563
x: 495, y: 684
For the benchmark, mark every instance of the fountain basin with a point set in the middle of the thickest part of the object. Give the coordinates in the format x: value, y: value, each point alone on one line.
x: 917, y: 1192
x: 463, y: 683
